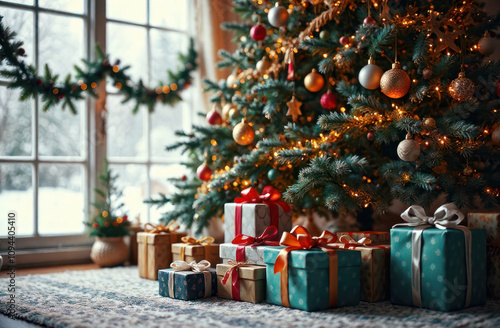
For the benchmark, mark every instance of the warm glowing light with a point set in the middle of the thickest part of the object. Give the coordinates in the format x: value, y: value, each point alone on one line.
x: 213, y: 142
x: 116, y: 69
x: 173, y: 86
x: 166, y: 89
x: 93, y: 85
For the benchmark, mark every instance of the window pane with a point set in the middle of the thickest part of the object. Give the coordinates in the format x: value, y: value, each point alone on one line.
x: 16, y: 194
x: 132, y: 181
x: 159, y: 184
x: 127, y: 10
x: 166, y: 47
x: 61, y: 208
x: 169, y: 13
x: 21, y: 21
x: 128, y: 43
x: 62, y: 42
x: 23, y: 2
x: 72, y: 6
x: 60, y: 133
x: 125, y: 136
x: 15, y: 124
x: 164, y: 122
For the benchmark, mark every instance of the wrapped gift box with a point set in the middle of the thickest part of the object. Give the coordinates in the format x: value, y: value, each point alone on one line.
x: 155, y: 252
x: 253, y: 254
x: 488, y: 221
x: 255, y: 218
x: 374, y: 271
x: 196, y: 253
x: 134, y: 248
x: 252, y: 283
x: 376, y: 237
x: 443, y: 268
x: 187, y: 285
x: 308, y: 278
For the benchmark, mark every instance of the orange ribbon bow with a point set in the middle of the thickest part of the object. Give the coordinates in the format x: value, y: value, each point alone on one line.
x: 159, y: 228
x: 300, y: 239
x: 187, y: 240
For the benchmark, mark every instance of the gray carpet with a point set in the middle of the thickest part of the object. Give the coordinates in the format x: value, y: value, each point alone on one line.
x: 117, y: 297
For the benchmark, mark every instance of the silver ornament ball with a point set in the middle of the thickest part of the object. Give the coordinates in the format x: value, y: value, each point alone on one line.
x: 408, y: 150
x: 278, y: 16
x: 369, y: 76
x: 495, y: 137
x: 486, y: 45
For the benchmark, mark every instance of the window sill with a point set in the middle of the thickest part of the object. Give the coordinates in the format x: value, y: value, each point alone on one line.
x: 44, y: 257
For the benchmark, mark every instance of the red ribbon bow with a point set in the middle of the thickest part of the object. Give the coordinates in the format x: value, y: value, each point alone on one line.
x: 299, y: 238
x: 264, y: 239
x: 233, y: 272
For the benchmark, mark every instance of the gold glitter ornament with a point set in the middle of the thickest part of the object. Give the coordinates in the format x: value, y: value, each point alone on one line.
x: 314, y: 81
x: 243, y: 133
x: 461, y: 88
x: 429, y: 123
x: 395, y: 82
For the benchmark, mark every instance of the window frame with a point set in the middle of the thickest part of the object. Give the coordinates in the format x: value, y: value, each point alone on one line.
x: 94, y: 124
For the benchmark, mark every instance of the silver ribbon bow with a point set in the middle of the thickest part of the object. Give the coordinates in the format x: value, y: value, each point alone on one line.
x: 447, y: 216
x: 200, y: 267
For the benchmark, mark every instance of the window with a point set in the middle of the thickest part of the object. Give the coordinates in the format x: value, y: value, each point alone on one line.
x: 49, y: 161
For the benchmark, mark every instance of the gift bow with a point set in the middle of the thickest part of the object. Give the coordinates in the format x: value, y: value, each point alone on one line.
x: 233, y: 271
x: 264, y: 239
x: 299, y: 238
x: 193, y: 241
x: 269, y: 195
x: 447, y: 216
x: 193, y: 266
x: 347, y: 240
x: 159, y: 228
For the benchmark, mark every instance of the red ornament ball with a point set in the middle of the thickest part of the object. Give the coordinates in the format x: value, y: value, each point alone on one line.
x: 125, y: 217
x: 369, y: 21
x: 61, y: 96
x: 183, y: 178
x: 39, y: 81
x: 96, y: 225
x: 344, y: 41
x: 20, y: 51
x: 370, y: 136
x: 258, y: 32
x: 203, y: 172
x: 214, y: 118
x: 328, y: 100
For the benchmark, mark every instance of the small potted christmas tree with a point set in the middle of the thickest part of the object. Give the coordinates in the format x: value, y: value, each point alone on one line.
x: 109, y: 224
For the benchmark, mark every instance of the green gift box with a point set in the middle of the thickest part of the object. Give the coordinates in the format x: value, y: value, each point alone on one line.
x: 308, y: 278
x: 443, y: 268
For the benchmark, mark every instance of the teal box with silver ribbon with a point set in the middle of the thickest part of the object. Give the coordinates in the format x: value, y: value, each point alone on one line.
x: 437, y: 263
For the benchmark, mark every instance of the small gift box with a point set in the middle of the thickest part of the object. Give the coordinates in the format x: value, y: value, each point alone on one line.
x: 249, y: 249
x: 188, y: 281
x: 308, y: 275
x: 241, y: 281
x: 376, y: 237
x: 375, y: 268
x: 192, y: 249
x: 487, y: 221
x: 154, y: 248
x: 252, y: 213
x: 437, y: 263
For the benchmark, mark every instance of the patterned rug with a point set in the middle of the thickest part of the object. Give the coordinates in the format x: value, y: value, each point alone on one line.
x: 117, y: 297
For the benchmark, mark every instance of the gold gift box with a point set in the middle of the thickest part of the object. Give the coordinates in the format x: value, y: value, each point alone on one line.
x: 252, y: 280
x: 155, y: 252
x: 196, y: 253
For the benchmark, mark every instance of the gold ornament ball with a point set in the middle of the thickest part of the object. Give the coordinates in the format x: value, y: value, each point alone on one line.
x: 461, y: 88
x: 226, y: 110
x: 243, y: 133
x: 495, y: 137
x: 468, y: 170
x: 314, y: 81
x: 395, y: 82
x: 429, y: 123
x: 408, y: 150
x: 263, y: 65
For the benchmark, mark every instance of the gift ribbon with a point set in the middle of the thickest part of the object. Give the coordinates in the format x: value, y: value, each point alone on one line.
x: 446, y: 216
x: 200, y: 267
x: 269, y: 196
x: 187, y: 240
x: 349, y: 242
x: 159, y: 228
x: 298, y: 239
x: 233, y: 272
x: 264, y: 239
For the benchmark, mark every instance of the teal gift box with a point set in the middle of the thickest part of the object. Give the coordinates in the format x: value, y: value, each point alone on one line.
x: 308, y: 278
x: 443, y: 268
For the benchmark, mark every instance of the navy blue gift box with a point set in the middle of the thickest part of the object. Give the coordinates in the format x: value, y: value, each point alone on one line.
x: 187, y: 285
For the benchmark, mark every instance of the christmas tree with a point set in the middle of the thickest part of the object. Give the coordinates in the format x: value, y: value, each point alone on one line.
x: 349, y: 105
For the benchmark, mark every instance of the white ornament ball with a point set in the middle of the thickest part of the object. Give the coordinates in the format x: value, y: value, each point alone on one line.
x: 232, y: 80
x: 486, y: 45
x: 408, y: 150
x: 369, y: 76
x: 278, y: 16
x: 263, y: 65
x: 495, y: 137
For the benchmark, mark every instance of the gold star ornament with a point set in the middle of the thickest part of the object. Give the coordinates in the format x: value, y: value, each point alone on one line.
x: 294, y: 108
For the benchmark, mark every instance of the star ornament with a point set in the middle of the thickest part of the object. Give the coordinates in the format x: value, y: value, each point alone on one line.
x: 294, y: 108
